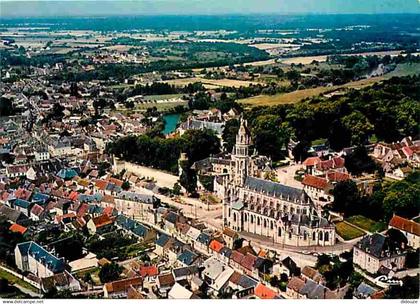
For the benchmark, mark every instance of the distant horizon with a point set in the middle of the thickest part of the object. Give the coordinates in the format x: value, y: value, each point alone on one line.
x: 105, y: 8
x: 204, y: 15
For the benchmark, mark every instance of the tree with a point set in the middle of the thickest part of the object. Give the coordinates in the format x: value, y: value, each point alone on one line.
x: 402, y: 197
x: 188, y: 178
x: 346, y: 196
x: 359, y: 126
x: 6, y: 107
x: 412, y: 258
x: 359, y: 162
x: 409, y: 289
x: 125, y: 185
x: 109, y: 272
x: 274, y: 281
x: 176, y: 189
x: 229, y: 134
x: 270, y: 135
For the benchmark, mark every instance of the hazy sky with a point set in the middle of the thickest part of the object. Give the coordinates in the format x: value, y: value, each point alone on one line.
x: 164, y: 7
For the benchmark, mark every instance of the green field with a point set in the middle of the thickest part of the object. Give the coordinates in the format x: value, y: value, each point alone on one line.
x: 366, y: 223
x: 160, y: 106
x: 161, y: 97
x: 404, y: 69
x: 348, y: 232
x: 296, y: 96
x: 15, y: 280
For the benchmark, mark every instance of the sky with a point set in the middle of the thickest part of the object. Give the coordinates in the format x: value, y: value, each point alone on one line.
x: 19, y: 8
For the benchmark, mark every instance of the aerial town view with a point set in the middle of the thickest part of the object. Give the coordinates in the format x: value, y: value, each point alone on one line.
x: 191, y: 149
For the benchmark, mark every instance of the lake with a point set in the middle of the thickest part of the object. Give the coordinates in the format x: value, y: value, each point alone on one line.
x: 171, y: 120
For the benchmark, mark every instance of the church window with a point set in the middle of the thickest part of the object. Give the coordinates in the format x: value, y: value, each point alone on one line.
x: 304, y: 236
x: 320, y: 236
x: 279, y: 232
x: 271, y: 225
x: 265, y: 223
x: 313, y: 236
x: 234, y: 217
x: 252, y: 219
x: 326, y: 237
x: 258, y: 221
x: 245, y: 217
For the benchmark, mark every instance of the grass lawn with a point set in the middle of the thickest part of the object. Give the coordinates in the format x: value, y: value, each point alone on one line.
x: 161, y: 97
x: 348, y: 232
x: 161, y: 106
x: 366, y: 223
x: 134, y: 250
x: 319, y: 141
x: 94, y: 274
x: 15, y: 280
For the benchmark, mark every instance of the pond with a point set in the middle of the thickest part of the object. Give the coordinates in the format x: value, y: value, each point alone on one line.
x: 171, y: 120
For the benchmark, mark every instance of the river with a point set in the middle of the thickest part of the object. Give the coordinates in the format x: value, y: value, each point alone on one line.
x: 171, y: 120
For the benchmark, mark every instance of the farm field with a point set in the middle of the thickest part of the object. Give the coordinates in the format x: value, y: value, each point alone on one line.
x: 292, y: 97
x: 348, y: 232
x: 213, y: 83
x: 296, y: 96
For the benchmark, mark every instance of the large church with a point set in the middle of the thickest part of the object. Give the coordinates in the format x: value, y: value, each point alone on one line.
x: 262, y: 207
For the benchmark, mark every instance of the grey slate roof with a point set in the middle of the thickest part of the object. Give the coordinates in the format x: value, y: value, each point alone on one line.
x: 22, y: 203
x: 274, y: 189
x: 187, y: 257
x: 377, y: 245
x: 41, y: 255
x: 11, y: 214
x: 137, y: 197
x: 162, y: 240
x: 246, y: 281
x: 364, y: 290
x: 184, y: 271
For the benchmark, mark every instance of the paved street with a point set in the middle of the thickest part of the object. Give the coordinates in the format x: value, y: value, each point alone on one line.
x: 285, y: 175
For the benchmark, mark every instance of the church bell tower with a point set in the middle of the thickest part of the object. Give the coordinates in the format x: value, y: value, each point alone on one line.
x: 240, y: 154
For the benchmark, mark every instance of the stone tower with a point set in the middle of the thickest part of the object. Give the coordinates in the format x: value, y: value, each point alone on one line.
x: 240, y: 154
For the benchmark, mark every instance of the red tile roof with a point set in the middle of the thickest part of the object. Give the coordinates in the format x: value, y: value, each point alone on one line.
x: 314, y: 181
x: 311, y: 161
x: 123, y: 285
x: 37, y: 210
x: 295, y: 284
x: 108, y: 210
x: 18, y: 228
x: 101, y: 184
x: 102, y: 220
x: 83, y: 210
x: 235, y: 277
x: 116, y: 181
x: 335, y: 176
x: 336, y: 162
x: 23, y: 194
x: 148, y: 271
x: 216, y: 245
x: 237, y: 256
x: 248, y: 261
x: 263, y: 292
x: 405, y: 225
x: 73, y: 195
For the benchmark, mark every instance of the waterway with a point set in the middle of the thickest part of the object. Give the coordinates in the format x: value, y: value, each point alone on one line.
x: 171, y: 120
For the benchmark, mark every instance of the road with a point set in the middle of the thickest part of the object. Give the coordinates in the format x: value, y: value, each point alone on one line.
x: 286, y: 176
